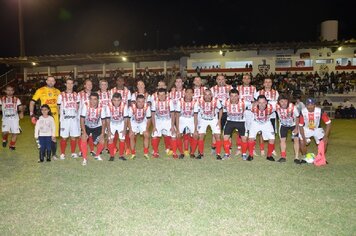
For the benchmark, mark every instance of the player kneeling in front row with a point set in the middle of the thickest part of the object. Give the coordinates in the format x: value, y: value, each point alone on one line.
x: 208, y: 112
x: 139, y: 114
x: 163, y: 122
x: 309, y: 123
x: 288, y: 120
x: 235, y: 109
x: 262, y: 112
x: 91, y: 122
x: 117, y: 114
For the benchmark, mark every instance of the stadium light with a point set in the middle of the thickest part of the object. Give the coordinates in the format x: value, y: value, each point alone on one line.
x: 124, y: 58
x: 339, y: 48
x: 34, y: 63
x: 220, y: 52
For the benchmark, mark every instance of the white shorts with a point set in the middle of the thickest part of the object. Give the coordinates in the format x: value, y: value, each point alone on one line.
x: 265, y: 128
x: 203, y: 125
x: 139, y: 128
x: 163, y: 127
x: 186, y: 124
x: 69, y: 128
x: 117, y: 128
x: 248, y: 120
x: 317, y: 133
x: 11, y: 126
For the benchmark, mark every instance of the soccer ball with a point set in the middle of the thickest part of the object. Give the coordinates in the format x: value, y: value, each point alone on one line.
x: 309, y: 158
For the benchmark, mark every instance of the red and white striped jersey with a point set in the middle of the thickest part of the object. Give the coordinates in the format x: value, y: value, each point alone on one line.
x: 311, y: 120
x: 83, y: 99
x: 247, y: 94
x: 262, y: 116
x: 93, y: 116
x: 221, y: 92
x: 125, y: 94
x: 116, y: 114
x: 162, y: 109
x: 208, y: 110
x: 176, y: 95
x: 199, y: 92
x: 69, y: 105
x: 139, y: 115
x: 9, y: 107
x: 104, y: 98
x: 235, y: 111
x: 287, y: 116
x: 135, y: 94
x: 186, y: 109
x: 271, y: 95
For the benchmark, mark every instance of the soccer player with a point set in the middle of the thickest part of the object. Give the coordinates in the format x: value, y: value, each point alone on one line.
x: 272, y: 98
x: 198, y: 88
x: 47, y: 95
x: 208, y: 112
x: 246, y: 92
x: 91, y: 122
x: 185, y: 124
x: 163, y: 123
x: 309, y: 122
x: 262, y: 112
x: 12, y: 112
x: 141, y: 89
x: 235, y: 109
x: 68, y: 106
x: 138, y: 123
x: 116, y: 113
x: 104, y: 94
x: 124, y: 91
x: 288, y: 120
x: 153, y: 97
x: 177, y: 92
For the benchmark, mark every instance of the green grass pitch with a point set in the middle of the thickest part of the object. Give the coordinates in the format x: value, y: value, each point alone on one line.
x: 179, y: 197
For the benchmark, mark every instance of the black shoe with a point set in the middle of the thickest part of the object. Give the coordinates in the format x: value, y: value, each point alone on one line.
x: 270, y: 158
x: 218, y: 157
x: 92, y: 153
x: 200, y: 156
x: 40, y: 161
x: 181, y: 156
x: 282, y: 160
x: 192, y: 156
x: 112, y: 159
x: 12, y: 148
x: 49, y: 156
x: 249, y: 158
x: 297, y: 161
x: 303, y: 162
x: 4, y: 143
x: 122, y: 158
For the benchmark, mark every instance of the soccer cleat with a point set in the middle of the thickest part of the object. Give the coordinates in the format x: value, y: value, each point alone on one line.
x: 92, y: 153
x: 226, y: 156
x: 244, y: 157
x: 169, y: 152
x: 262, y: 152
x: 155, y: 155
x: 274, y: 153
x: 249, y: 158
x: 12, y: 148
x: 4, y: 143
x: 54, y: 157
x: 218, y: 157
x: 62, y: 157
x: 84, y: 163
x: 200, y: 156
x: 297, y: 161
x: 74, y: 155
x: 98, y: 158
x: 270, y: 158
x: 111, y: 158
x: 175, y: 156
x: 192, y: 155
x: 122, y: 158
x: 133, y: 156
x: 282, y: 159
x: 186, y: 153
x: 181, y: 156
x: 146, y: 156
x: 213, y: 151
x: 303, y: 162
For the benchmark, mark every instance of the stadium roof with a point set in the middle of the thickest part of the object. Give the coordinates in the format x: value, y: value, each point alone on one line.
x: 162, y: 55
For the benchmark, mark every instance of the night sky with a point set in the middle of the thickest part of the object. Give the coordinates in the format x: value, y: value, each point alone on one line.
x: 80, y: 26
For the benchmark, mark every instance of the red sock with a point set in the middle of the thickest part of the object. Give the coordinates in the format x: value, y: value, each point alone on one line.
x: 84, y: 149
x: 63, y: 144
x: 12, y: 143
x: 227, y: 146
x: 127, y: 141
x: 121, y: 148
x: 91, y: 143
x: 145, y: 150
x: 167, y: 142
x: 251, y: 146
x: 193, y: 145
x: 201, y: 146
x: 218, y: 147
x: 99, y: 148
x: 155, y: 143
x: 186, y: 138
x: 238, y: 141
x: 111, y: 147
x: 174, y: 146
x: 270, y: 149
x: 244, y: 146
x: 73, y: 145
x: 180, y: 145
x: 262, y: 145
x: 5, y: 136
x: 283, y: 154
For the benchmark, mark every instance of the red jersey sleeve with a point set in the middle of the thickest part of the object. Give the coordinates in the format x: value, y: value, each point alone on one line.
x: 301, y: 120
x: 325, y: 118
